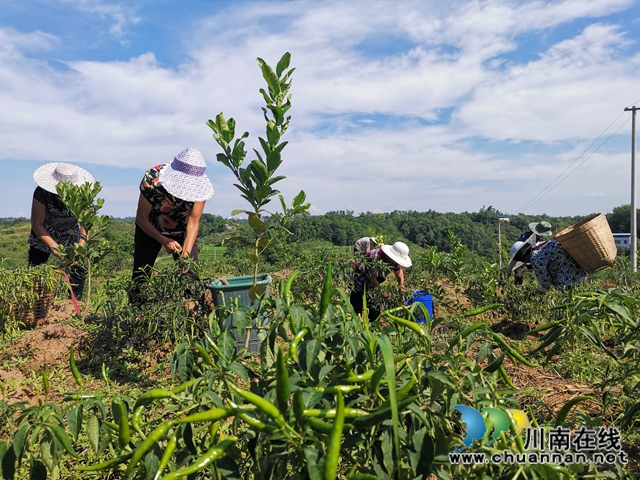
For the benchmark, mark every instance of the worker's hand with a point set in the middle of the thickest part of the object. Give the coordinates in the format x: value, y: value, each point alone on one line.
x: 173, y: 246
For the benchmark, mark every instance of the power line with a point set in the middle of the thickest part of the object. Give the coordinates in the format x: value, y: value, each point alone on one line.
x: 551, y: 186
x: 578, y: 166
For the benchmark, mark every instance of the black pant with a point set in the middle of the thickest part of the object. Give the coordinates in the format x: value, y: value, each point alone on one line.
x: 146, y: 250
x: 77, y: 273
x: 358, y: 305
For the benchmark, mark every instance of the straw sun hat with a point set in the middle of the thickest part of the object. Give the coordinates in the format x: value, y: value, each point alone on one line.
x: 541, y: 228
x: 184, y: 177
x: 49, y: 175
x: 398, y: 252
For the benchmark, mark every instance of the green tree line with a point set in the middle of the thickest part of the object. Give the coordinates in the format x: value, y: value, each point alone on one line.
x: 478, y: 231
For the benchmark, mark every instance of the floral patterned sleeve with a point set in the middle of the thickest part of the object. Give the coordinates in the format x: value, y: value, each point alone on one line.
x: 540, y: 262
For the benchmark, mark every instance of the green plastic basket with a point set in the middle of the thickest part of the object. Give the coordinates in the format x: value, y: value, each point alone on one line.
x: 238, y: 288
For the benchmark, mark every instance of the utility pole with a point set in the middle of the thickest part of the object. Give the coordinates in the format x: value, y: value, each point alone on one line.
x: 634, y: 230
x: 501, y: 218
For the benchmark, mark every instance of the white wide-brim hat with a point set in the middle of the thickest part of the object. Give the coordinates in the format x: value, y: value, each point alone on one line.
x: 51, y: 174
x: 184, y: 178
x: 398, y: 252
x: 515, y: 261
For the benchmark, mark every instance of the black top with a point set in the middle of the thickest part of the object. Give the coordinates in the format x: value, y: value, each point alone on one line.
x: 59, y: 222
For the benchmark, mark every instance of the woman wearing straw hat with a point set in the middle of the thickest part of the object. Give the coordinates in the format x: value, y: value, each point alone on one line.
x: 551, y: 263
x: 171, y: 202
x: 52, y: 223
x: 368, y: 277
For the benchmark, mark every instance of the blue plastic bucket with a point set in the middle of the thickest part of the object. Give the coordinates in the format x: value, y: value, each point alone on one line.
x: 426, y: 299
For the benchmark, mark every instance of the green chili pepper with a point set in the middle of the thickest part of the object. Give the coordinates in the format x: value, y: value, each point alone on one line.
x: 45, y: 383
x: 287, y: 287
x: 363, y: 377
x: 544, y: 327
x: 335, y: 442
x: 166, y: 456
x: 332, y: 412
x: 298, y: 405
x: 325, y: 297
x: 104, y: 465
x: 181, y: 388
x: 62, y: 437
x: 209, y: 457
x: 80, y: 396
x: 400, y: 394
x: 551, y: 336
x: 564, y: 411
x: 510, y: 351
x: 206, y: 358
x: 74, y: 368
x: 262, y: 404
x: 479, y: 310
x: 325, y: 427
x: 293, y: 346
x: 464, y: 334
x: 282, y: 383
x: 150, y: 396
x: 208, y: 416
x: 253, y: 422
x: 381, y: 414
x: 407, y: 323
x: 160, y: 431
x: 503, y: 373
x: 124, y: 435
x: 333, y: 389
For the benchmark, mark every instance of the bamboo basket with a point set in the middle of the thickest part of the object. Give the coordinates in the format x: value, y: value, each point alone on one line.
x: 38, y: 307
x: 590, y: 242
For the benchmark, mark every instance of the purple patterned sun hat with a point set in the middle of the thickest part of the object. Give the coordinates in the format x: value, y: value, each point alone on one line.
x: 184, y: 177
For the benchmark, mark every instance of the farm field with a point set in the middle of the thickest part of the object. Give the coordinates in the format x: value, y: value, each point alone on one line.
x: 144, y: 392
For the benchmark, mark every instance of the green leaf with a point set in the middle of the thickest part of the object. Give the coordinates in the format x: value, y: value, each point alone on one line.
x: 151, y: 462
x: 389, y: 366
x: 278, y: 114
x: 423, y: 453
x: 283, y: 64
x: 564, y: 411
x: 8, y: 465
x: 312, y: 350
x: 269, y: 76
x: 238, y: 369
x: 274, y: 159
x: 299, y: 199
x: 267, y: 98
x: 37, y: 471
x: 440, y: 377
x: 256, y: 291
x: 253, y: 257
x: 325, y: 297
x: 227, y: 344
x: 259, y: 171
x: 19, y: 441
x: 311, y: 456
x: 93, y: 432
x: 256, y: 223
x: 242, y: 321
x: 273, y: 135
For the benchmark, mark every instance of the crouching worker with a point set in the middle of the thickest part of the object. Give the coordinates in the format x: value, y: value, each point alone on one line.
x: 52, y: 223
x: 550, y: 262
x: 367, y: 277
x: 171, y: 202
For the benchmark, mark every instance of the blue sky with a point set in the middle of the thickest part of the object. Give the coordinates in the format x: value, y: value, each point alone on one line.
x: 448, y: 106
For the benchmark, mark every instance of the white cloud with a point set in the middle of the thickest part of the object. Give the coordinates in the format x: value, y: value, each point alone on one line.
x: 120, y: 15
x: 137, y: 113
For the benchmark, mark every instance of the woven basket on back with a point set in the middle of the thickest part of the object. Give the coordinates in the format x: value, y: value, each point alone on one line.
x: 590, y: 242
